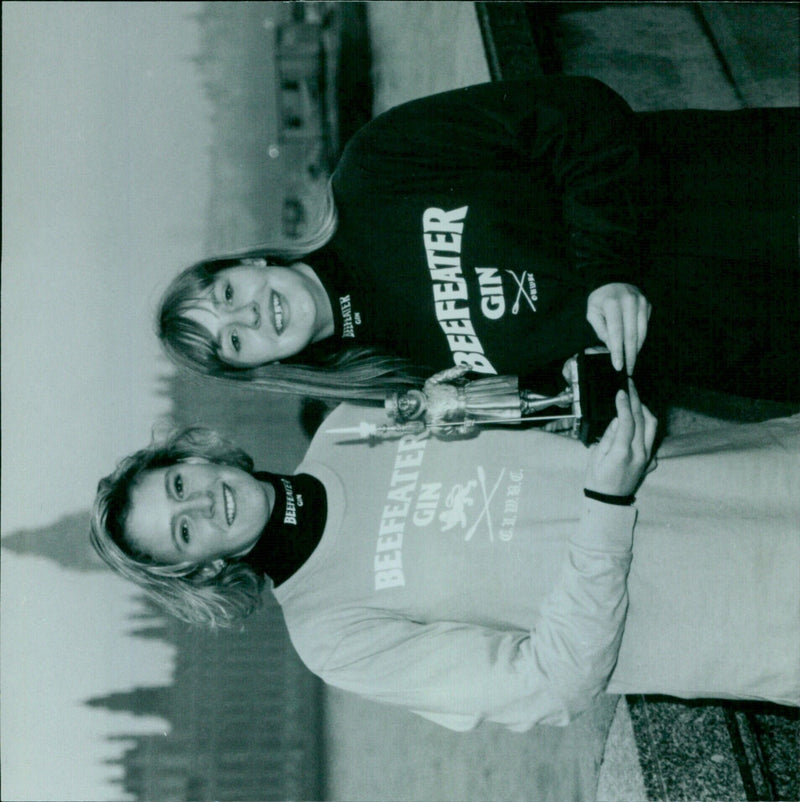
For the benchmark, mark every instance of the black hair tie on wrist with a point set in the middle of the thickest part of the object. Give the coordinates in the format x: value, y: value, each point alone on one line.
x: 622, y: 501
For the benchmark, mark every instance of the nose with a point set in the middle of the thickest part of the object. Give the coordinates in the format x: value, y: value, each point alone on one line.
x: 247, y: 315
x: 201, y: 503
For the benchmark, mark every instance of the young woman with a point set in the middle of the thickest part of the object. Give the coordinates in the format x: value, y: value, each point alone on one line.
x: 494, y: 579
x: 506, y: 227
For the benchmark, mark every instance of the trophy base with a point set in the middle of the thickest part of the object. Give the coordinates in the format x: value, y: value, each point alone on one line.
x: 597, y: 385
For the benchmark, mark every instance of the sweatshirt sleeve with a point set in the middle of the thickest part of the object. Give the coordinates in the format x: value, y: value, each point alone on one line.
x: 459, y: 675
x: 572, y: 138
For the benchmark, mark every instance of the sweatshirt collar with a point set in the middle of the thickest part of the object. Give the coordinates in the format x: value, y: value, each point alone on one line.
x: 294, y: 528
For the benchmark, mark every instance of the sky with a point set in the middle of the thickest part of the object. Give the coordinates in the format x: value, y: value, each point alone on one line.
x: 105, y: 189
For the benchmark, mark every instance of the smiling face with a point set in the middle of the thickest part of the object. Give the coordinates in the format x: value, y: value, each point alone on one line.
x: 258, y: 315
x: 196, y: 511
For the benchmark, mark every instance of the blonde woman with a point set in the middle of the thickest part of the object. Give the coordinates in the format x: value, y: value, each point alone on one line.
x: 507, y: 226
x: 508, y: 578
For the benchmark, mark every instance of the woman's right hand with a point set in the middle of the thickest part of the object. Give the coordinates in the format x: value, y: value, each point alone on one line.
x: 618, y: 462
x: 619, y: 314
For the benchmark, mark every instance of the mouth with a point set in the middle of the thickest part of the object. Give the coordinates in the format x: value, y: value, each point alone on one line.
x: 278, y: 313
x: 230, y: 504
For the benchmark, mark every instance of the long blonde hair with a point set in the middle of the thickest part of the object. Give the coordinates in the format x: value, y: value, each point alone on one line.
x: 218, y: 593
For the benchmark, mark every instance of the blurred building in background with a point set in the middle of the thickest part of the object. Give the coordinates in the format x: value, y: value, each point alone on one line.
x: 243, y: 713
x: 270, y: 72
x: 304, y: 129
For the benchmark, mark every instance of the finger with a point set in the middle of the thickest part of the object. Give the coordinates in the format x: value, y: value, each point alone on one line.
x: 598, y: 323
x: 634, y: 394
x: 614, y: 327
x: 643, y: 318
x: 607, y: 440
x: 626, y: 427
x: 650, y: 429
x: 636, y: 402
x: 630, y: 330
x: 637, y: 411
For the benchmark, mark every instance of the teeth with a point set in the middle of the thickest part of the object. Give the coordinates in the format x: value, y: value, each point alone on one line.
x: 230, y: 504
x: 277, y: 310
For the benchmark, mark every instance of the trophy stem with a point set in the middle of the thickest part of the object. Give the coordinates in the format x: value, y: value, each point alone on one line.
x: 530, y: 403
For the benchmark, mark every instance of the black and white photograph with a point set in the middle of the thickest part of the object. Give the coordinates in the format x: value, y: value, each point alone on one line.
x: 400, y: 401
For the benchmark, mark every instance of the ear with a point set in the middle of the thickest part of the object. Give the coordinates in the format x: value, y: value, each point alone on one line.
x: 212, y: 569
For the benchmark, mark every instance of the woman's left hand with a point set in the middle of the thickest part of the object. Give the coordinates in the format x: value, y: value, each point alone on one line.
x: 620, y: 460
x: 619, y: 314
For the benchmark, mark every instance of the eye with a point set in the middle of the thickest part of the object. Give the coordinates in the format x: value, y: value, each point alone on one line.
x: 183, y: 532
x: 228, y: 292
x: 236, y: 343
x: 177, y: 484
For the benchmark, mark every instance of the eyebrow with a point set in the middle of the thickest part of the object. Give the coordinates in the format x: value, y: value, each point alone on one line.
x: 214, y: 304
x: 168, y: 491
